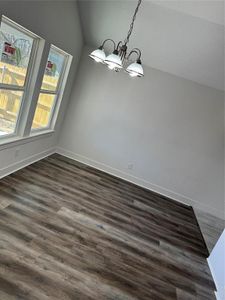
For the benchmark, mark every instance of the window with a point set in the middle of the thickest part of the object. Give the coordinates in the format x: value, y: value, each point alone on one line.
x: 24, y: 106
x: 50, y: 89
x: 16, y: 50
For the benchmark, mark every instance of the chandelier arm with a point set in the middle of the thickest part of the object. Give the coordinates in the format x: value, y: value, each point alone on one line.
x: 114, y: 44
x: 126, y: 41
x: 118, y: 45
x: 137, y: 51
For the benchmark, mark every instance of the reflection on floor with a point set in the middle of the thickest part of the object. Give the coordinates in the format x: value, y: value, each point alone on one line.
x: 68, y: 231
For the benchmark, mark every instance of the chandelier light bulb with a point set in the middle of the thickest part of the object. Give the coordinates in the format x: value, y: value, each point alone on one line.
x: 133, y: 74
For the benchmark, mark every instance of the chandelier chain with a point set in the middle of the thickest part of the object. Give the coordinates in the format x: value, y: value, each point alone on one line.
x: 126, y: 41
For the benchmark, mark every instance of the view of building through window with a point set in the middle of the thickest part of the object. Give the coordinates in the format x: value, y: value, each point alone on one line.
x: 53, y: 70
x: 15, y: 51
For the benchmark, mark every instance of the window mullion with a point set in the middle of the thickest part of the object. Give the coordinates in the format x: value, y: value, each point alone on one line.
x: 11, y: 87
x: 48, y: 92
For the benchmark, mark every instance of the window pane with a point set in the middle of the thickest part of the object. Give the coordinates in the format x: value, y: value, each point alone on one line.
x: 53, y: 70
x: 9, y: 108
x: 15, y: 50
x: 43, y: 111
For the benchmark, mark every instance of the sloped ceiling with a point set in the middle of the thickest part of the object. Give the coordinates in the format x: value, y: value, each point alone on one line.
x: 184, y: 38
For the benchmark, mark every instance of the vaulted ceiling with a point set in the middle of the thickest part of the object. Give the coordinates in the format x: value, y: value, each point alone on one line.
x: 184, y: 38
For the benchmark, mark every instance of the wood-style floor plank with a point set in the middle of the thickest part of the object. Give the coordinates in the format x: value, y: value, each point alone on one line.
x: 68, y: 231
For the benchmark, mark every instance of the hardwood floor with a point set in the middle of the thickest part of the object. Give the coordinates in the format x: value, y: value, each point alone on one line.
x: 68, y: 231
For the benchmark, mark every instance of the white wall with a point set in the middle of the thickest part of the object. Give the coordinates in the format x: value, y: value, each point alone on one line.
x: 169, y: 128
x: 19, y: 154
x: 46, y: 19
x: 216, y: 262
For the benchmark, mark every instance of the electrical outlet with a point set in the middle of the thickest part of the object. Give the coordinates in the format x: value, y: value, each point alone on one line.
x: 130, y: 166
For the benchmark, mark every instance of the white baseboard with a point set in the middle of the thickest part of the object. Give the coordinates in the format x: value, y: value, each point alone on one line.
x: 139, y: 181
x: 113, y: 171
x: 25, y: 162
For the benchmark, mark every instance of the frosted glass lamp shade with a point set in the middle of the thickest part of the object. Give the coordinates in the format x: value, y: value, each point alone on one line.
x: 113, y: 61
x: 98, y: 55
x: 135, y: 69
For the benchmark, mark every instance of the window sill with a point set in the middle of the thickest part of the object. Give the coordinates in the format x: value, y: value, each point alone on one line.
x: 17, y: 141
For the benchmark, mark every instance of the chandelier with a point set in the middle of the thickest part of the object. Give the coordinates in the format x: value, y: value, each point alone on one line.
x: 119, y: 58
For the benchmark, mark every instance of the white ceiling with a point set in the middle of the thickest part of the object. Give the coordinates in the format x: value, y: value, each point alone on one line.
x: 212, y: 11
x: 184, y: 38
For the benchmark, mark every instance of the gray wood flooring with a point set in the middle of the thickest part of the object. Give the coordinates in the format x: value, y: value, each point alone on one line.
x: 68, y: 231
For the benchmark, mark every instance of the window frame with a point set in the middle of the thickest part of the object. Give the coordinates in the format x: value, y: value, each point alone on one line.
x: 28, y: 78
x: 58, y: 92
x: 32, y: 87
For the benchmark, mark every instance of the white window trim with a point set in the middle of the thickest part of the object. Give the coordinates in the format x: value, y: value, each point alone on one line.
x: 18, y: 141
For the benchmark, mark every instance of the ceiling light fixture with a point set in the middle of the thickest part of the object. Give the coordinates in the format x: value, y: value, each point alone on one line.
x: 118, y: 59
